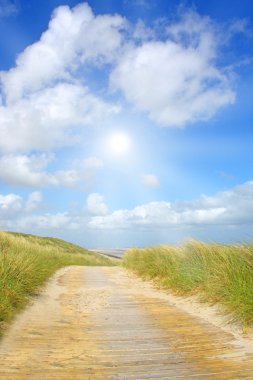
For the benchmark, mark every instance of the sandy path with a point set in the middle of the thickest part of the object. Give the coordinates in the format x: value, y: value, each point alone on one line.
x: 102, y: 323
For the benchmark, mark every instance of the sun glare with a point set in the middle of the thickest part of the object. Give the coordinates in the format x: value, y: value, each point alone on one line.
x: 119, y: 143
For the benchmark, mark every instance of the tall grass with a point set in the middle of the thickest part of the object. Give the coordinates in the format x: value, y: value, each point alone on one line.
x: 218, y: 273
x: 26, y: 261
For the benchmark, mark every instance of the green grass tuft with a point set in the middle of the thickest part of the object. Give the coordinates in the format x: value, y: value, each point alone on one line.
x: 27, y: 261
x: 218, y: 273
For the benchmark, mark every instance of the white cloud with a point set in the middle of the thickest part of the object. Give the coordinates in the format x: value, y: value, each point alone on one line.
x: 150, y: 180
x: 44, y: 103
x: 46, y: 119
x: 23, y: 170
x: 10, y: 205
x: 7, y: 8
x: 176, y: 81
x: 235, y: 27
x: 31, y: 170
x: 67, y: 178
x: 225, y: 175
x: 74, y: 36
x: 139, y: 3
x: 19, y: 214
x: 34, y: 201
x: 96, y: 205
x: 224, y: 213
x: 45, y: 222
x: 93, y: 163
x: 142, y: 32
x: 231, y: 207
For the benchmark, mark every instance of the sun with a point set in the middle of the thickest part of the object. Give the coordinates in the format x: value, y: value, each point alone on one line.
x: 119, y: 142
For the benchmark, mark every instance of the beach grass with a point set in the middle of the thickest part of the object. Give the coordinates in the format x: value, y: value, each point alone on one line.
x: 218, y: 273
x: 27, y: 261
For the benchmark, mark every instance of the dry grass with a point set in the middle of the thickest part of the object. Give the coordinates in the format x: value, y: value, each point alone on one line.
x: 27, y: 261
x: 218, y: 273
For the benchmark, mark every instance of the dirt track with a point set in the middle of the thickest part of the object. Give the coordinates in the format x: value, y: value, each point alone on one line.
x: 101, y: 323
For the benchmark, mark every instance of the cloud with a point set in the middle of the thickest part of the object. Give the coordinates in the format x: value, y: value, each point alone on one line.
x: 93, y: 163
x: 145, y: 4
x: 45, y: 102
x: 74, y: 36
x: 7, y: 8
x: 67, y: 178
x: 96, y: 205
x: 231, y: 207
x: 176, y: 80
x: 143, y: 33
x: 225, y: 213
x: 235, y: 27
x: 47, y: 118
x: 225, y: 175
x: 10, y: 205
x: 45, y: 222
x: 150, y: 180
x: 34, y: 201
x: 23, y: 170
x: 32, y: 171
x: 17, y: 213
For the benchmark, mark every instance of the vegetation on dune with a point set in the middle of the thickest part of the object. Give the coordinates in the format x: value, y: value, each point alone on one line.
x: 218, y: 273
x: 27, y: 261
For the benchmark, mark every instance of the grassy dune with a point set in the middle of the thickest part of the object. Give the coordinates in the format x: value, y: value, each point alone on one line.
x: 26, y: 261
x: 218, y: 273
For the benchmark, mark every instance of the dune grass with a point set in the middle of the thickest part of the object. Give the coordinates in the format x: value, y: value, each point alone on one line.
x: 27, y: 261
x: 217, y: 273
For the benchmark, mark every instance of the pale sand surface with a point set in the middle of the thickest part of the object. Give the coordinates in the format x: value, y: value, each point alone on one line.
x: 214, y: 314
x: 105, y: 323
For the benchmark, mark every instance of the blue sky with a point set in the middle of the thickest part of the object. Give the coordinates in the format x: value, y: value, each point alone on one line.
x: 127, y: 122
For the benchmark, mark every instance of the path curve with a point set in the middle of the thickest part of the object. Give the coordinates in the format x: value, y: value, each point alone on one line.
x: 101, y: 323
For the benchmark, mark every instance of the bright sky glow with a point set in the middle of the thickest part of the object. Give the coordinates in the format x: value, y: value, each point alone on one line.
x: 119, y: 143
x: 127, y: 122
